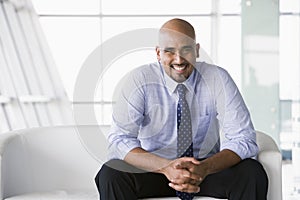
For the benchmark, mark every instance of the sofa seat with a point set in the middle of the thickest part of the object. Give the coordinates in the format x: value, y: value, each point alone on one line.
x: 60, y: 163
x: 77, y: 195
x: 58, y: 194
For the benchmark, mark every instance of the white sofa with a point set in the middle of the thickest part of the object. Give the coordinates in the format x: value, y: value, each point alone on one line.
x: 60, y: 163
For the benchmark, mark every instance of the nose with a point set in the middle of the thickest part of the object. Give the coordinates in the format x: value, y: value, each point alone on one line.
x: 178, y: 58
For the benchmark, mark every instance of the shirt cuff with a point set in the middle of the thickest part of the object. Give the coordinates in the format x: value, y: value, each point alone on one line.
x: 244, y: 149
x: 119, y: 149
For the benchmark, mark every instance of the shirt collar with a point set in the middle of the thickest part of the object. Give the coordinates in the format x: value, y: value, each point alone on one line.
x: 171, y: 84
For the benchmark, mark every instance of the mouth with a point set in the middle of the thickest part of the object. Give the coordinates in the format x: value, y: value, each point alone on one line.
x: 180, y: 67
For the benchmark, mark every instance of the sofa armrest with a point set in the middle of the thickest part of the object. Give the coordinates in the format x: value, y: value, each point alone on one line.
x: 270, y: 157
x: 271, y: 160
x: 5, y: 138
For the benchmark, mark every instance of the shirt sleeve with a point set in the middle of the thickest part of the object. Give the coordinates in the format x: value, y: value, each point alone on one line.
x: 237, y: 131
x: 126, y: 118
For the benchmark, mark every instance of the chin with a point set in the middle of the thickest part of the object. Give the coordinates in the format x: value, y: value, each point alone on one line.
x: 179, y: 79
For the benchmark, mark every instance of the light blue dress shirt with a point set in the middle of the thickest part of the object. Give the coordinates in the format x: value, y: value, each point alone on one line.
x: 144, y: 114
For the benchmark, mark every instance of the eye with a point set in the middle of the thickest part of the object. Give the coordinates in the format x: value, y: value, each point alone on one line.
x: 169, y: 51
x: 186, y: 50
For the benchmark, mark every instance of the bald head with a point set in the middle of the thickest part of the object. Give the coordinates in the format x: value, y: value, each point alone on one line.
x: 178, y: 25
x: 177, y: 50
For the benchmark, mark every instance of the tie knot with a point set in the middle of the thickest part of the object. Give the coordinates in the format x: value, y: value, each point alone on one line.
x: 181, y: 90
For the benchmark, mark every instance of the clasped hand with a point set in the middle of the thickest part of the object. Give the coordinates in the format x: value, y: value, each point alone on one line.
x: 185, y: 174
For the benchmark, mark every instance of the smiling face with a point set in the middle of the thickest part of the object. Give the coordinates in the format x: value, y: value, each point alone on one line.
x: 177, y: 50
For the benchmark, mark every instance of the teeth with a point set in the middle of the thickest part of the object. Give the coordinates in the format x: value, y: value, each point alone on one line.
x: 179, y: 68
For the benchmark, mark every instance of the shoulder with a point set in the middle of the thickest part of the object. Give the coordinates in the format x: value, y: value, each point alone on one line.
x: 147, y: 73
x: 141, y: 77
x: 208, y: 71
x: 149, y: 69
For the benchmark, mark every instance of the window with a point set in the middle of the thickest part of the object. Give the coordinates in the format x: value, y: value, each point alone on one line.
x: 70, y: 46
x: 31, y: 94
x: 84, y: 25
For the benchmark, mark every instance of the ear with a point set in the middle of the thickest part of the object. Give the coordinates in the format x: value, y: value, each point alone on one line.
x: 157, y: 49
x: 197, y: 50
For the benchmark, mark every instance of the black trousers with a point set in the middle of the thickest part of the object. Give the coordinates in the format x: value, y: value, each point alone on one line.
x: 118, y: 180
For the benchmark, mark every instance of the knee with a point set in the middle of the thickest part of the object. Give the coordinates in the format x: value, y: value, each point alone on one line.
x: 253, y: 170
x: 108, y: 172
x: 114, y: 172
x: 102, y: 175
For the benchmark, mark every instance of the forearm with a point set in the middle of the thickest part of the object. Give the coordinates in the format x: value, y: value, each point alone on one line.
x: 220, y: 161
x: 142, y: 159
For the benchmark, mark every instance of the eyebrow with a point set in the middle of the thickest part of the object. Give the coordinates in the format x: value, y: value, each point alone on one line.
x: 168, y: 48
x: 172, y: 48
x: 186, y: 46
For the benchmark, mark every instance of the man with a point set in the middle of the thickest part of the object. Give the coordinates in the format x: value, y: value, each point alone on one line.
x: 181, y: 128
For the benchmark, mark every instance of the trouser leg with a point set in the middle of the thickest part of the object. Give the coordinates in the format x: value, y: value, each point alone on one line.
x: 117, y: 180
x: 246, y: 180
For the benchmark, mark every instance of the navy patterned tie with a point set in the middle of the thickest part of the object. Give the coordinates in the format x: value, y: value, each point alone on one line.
x: 184, y: 133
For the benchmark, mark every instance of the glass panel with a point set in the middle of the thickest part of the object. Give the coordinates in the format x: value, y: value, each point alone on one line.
x: 76, y: 39
x: 229, y: 51
x: 230, y: 6
x: 67, y: 6
x: 4, y: 126
x: 118, y: 69
x: 113, y: 26
x: 289, y: 57
x: 156, y: 7
x: 133, y: 59
x: 103, y: 114
x: 289, y: 6
x: 260, y: 65
x: 289, y: 88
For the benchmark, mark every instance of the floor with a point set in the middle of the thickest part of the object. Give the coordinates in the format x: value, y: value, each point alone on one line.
x: 290, y: 181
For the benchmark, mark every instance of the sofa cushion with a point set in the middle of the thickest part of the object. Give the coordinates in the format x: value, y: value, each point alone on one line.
x: 58, y: 195
x: 176, y: 198
x: 77, y: 195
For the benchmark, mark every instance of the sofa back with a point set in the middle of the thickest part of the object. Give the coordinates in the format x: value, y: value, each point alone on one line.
x: 52, y: 158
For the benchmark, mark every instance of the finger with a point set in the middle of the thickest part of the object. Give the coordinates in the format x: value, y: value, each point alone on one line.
x: 189, y: 188
x: 185, y: 176
x: 180, y: 181
x: 184, y: 181
x: 195, y: 182
x: 194, y: 177
x: 191, y: 159
x: 186, y: 162
x: 181, y: 176
x: 186, y: 165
